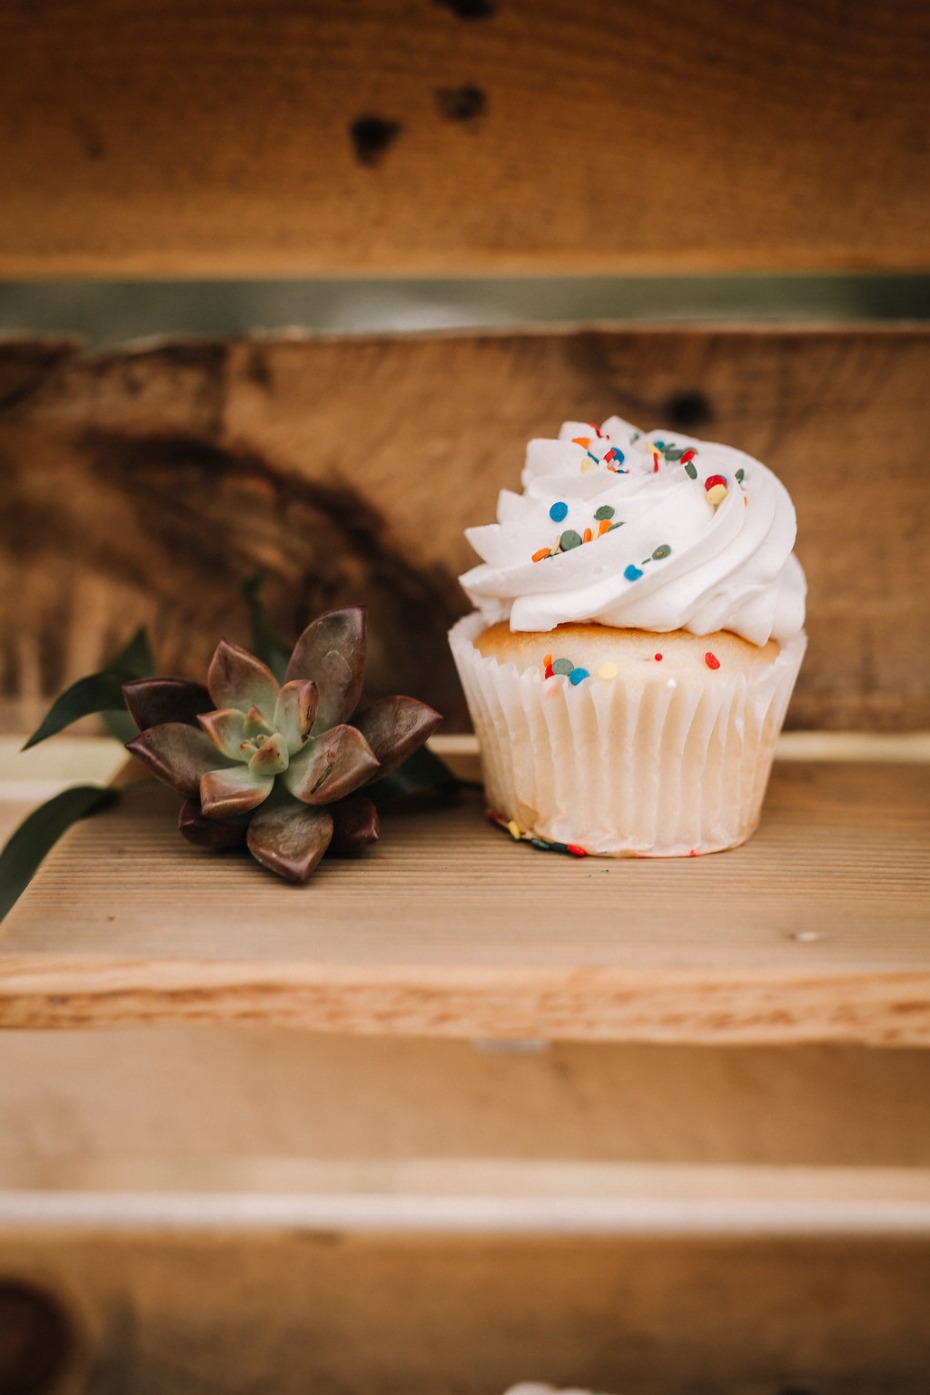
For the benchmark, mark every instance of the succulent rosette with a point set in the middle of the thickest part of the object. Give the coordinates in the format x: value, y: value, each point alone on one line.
x: 278, y: 766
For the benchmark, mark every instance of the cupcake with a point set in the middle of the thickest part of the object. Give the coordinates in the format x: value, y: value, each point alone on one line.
x: 637, y: 633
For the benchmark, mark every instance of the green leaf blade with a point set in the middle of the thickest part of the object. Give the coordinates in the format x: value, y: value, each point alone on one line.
x: 99, y: 692
x: 38, y: 834
x: 266, y: 645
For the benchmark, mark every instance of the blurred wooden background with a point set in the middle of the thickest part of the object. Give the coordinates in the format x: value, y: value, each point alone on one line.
x: 220, y: 137
x: 146, y: 485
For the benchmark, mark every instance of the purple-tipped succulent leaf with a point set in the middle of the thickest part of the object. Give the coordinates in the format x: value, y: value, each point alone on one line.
x: 226, y: 729
x: 271, y: 758
x: 395, y: 727
x: 151, y: 702
x: 355, y: 824
x: 228, y: 793
x: 179, y: 755
x: 237, y: 679
x: 207, y: 833
x: 331, y: 651
x: 290, y: 839
x: 331, y: 766
x: 295, y: 711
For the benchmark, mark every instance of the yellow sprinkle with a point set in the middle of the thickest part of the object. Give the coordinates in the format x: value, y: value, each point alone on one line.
x: 513, y: 829
x: 608, y: 671
x: 716, y: 494
x: 586, y: 464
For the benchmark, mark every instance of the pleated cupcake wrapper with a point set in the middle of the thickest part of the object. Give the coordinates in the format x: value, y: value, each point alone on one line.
x: 633, y: 768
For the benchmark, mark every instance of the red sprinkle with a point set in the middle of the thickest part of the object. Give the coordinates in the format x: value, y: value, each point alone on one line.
x: 714, y: 479
x: 575, y: 850
x: 548, y: 673
x: 692, y: 853
x: 658, y: 658
x: 688, y: 456
x: 711, y: 660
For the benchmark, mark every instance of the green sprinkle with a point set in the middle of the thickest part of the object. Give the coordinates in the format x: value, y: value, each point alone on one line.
x: 740, y: 475
x: 661, y: 552
x: 671, y: 454
x: 690, y: 471
x: 569, y: 539
x: 563, y: 666
x: 605, y: 511
x: 618, y: 524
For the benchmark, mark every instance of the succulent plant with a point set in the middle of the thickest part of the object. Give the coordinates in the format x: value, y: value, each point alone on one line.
x: 277, y: 766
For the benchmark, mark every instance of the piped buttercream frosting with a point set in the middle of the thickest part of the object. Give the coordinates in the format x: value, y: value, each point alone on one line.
x: 652, y: 531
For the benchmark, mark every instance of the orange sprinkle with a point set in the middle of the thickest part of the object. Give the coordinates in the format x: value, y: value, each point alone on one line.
x: 587, y: 535
x: 538, y: 556
x: 583, y: 441
x: 603, y: 527
x: 547, y: 660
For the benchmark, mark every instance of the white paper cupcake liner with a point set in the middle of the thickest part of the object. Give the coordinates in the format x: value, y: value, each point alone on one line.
x: 620, y: 768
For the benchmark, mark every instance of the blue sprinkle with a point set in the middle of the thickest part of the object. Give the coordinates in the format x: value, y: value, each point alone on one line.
x: 660, y: 445
x: 558, y: 512
x: 619, y: 457
x: 578, y: 675
x: 593, y: 457
x: 632, y: 573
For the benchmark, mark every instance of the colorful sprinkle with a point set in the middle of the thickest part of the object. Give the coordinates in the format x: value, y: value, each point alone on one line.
x: 583, y: 441
x: 605, y: 511
x: 716, y: 486
x: 632, y: 573
x: 711, y: 660
x: 740, y: 476
x: 661, y: 551
x: 543, y: 552
x: 614, y: 455
x: 687, y: 456
x: 605, y: 526
x: 578, y: 675
x: 608, y: 670
x: 563, y: 666
x: 559, y: 511
x: 547, y: 660
x: 658, y: 658
x: 690, y: 470
x: 513, y: 828
x: 587, y: 536
x: 569, y: 539
x: 575, y: 851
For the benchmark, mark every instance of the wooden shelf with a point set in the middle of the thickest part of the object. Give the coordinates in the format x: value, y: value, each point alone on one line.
x: 816, y: 930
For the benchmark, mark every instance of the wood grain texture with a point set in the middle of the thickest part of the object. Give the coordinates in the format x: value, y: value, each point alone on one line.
x: 145, y: 485
x: 180, y: 1312
x: 264, y: 1108
x: 473, y: 936
x: 217, y: 138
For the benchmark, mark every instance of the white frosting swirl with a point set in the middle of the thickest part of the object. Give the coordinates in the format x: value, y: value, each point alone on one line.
x: 678, y: 560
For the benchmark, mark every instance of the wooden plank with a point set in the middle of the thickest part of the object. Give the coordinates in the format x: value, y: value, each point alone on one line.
x: 214, y: 139
x: 292, y: 1309
x: 145, y: 485
x: 476, y: 937
x: 263, y: 1109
